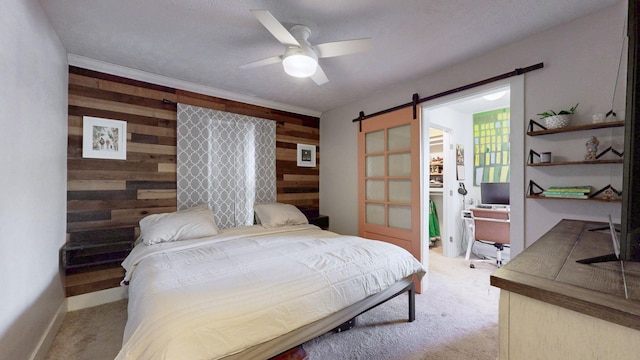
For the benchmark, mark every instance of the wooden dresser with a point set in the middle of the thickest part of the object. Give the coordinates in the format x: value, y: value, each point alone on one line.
x: 552, y: 307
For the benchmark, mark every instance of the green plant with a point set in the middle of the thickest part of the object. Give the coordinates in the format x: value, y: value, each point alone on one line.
x: 561, y: 112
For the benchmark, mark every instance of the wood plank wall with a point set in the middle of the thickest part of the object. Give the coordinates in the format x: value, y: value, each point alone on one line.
x: 107, y: 198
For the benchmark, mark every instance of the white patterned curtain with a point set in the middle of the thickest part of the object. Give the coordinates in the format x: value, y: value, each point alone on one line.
x: 225, y: 160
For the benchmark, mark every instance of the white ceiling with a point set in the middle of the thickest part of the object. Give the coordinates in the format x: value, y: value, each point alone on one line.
x: 205, y: 41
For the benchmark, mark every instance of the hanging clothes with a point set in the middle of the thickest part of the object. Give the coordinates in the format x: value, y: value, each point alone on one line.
x: 434, y: 226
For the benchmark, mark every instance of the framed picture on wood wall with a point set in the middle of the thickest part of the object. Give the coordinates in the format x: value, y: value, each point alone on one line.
x: 104, y: 138
x: 306, y: 155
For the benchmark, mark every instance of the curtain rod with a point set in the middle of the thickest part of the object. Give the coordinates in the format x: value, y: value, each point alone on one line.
x: 416, y: 100
x: 279, y: 122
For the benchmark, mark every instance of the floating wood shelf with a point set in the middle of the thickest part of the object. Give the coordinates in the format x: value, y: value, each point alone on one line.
x: 535, y: 191
x: 89, y: 255
x: 545, y: 131
x: 583, y: 162
x: 574, y: 199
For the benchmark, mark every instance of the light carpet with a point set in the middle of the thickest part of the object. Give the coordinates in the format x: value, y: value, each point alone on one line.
x: 456, y: 318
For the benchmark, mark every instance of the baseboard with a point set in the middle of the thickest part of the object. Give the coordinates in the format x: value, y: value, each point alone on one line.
x: 97, y: 298
x: 47, y: 339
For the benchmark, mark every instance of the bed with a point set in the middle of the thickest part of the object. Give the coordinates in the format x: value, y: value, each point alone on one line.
x: 251, y: 291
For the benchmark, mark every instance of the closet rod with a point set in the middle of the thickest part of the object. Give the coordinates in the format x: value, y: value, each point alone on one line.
x: 515, y: 72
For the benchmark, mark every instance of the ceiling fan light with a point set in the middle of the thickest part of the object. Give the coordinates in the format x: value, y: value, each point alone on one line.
x: 300, y: 65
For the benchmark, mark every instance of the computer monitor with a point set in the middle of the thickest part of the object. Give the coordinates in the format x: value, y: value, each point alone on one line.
x: 494, y: 193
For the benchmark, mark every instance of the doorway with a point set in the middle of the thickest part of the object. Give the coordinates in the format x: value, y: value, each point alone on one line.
x: 454, y: 116
x: 440, y: 168
x: 436, y: 180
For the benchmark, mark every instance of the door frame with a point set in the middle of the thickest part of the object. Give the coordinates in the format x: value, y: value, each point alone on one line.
x: 517, y: 164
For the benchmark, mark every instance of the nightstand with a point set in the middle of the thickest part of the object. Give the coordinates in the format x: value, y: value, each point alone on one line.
x: 83, y: 255
x: 321, y: 221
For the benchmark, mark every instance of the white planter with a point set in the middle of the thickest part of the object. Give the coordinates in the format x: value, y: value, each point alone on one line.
x: 557, y: 121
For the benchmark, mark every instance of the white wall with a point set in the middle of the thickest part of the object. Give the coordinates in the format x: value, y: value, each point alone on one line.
x: 580, y: 64
x: 33, y: 134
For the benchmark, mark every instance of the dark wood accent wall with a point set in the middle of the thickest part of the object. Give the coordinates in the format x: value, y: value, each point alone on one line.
x: 107, y: 198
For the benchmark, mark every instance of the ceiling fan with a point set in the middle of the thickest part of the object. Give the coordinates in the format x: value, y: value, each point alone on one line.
x: 300, y: 58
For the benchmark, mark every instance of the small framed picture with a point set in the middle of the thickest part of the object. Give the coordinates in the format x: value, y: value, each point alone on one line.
x: 104, y: 138
x: 306, y: 155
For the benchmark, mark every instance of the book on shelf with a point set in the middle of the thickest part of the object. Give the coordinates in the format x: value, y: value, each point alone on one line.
x: 569, y: 189
x: 566, y: 195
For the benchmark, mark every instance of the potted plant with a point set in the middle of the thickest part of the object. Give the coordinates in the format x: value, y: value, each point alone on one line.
x: 560, y: 119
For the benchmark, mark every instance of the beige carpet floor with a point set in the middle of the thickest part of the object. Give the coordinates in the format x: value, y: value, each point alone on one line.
x: 456, y: 319
x: 94, y: 333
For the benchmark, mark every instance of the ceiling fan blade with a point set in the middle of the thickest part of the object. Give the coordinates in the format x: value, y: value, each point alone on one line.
x: 319, y: 77
x: 345, y: 47
x: 275, y: 27
x: 263, y: 62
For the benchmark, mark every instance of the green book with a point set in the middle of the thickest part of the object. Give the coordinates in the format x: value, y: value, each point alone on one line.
x: 570, y: 189
x: 567, y: 195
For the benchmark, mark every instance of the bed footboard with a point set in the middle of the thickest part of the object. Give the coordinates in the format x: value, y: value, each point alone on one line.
x: 411, y: 289
x: 308, y: 332
x: 412, y: 302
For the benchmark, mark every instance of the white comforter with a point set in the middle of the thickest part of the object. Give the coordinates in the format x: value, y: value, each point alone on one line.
x: 207, y: 298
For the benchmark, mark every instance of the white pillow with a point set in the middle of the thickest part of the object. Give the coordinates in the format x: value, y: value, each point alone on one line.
x: 193, y: 223
x: 272, y: 215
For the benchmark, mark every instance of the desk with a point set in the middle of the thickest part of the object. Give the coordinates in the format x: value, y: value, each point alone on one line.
x: 485, y: 224
x: 554, y: 308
